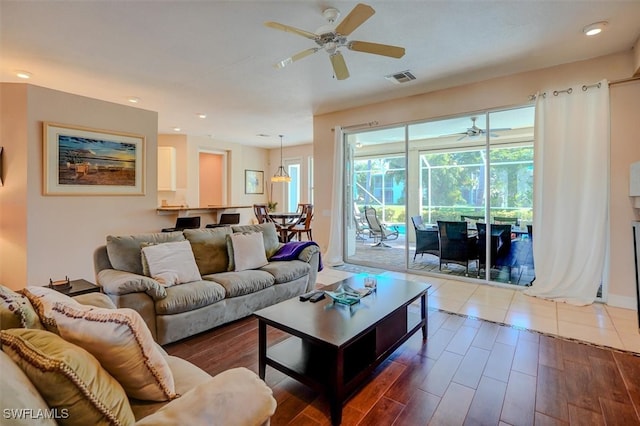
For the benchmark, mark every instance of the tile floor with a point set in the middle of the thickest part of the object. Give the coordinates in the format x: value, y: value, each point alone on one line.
x: 598, y: 323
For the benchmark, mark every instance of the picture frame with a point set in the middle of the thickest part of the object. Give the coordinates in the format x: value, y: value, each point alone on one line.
x: 254, y: 182
x: 85, y: 161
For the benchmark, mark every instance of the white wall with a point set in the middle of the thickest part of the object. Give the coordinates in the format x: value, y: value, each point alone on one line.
x: 46, y: 237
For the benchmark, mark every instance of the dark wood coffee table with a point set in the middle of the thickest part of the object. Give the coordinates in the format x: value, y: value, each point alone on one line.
x: 333, y: 348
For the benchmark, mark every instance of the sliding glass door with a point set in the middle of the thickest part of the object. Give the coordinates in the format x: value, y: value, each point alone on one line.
x: 508, y: 247
x: 475, y: 170
x: 376, y: 190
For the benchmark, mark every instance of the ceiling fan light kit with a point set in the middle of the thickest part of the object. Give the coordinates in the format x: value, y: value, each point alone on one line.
x: 331, y: 40
x: 331, y: 14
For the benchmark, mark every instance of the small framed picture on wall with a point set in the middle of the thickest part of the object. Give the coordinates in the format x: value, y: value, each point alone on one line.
x: 253, y: 182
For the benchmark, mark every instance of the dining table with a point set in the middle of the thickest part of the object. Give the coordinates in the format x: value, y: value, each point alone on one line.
x: 286, y: 219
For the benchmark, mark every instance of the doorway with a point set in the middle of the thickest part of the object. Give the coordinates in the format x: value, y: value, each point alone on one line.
x: 212, y: 182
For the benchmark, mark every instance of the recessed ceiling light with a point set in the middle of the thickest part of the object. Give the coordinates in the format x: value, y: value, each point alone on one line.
x: 201, y: 115
x: 595, y: 28
x: 23, y: 74
x: 133, y: 99
x: 176, y: 129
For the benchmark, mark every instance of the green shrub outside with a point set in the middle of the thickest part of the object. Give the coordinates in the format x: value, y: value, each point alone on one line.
x: 397, y: 214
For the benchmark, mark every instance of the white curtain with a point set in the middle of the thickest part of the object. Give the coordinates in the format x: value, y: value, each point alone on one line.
x: 571, y: 192
x: 333, y: 256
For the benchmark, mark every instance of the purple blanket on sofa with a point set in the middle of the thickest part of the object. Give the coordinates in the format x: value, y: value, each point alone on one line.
x: 291, y: 250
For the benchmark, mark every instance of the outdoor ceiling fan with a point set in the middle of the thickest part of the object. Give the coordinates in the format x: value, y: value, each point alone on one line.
x: 331, y: 39
x: 474, y: 131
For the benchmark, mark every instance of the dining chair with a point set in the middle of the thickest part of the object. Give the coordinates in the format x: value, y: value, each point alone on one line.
x: 226, y: 219
x: 502, y: 253
x: 426, y: 240
x: 261, y: 212
x: 503, y: 220
x: 472, y: 220
x: 182, y: 223
x: 522, y: 250
x: 262, y: 215
x: 471, y: 217
x: 455, y: 244
x: 303, y: 225
x: 379, y: 230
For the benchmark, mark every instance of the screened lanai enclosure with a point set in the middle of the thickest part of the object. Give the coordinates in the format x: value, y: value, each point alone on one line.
x: 451, y: 196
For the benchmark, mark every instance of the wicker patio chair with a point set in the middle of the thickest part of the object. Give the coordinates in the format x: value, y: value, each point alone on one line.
x: 427, y: 240
x: 455, y: 244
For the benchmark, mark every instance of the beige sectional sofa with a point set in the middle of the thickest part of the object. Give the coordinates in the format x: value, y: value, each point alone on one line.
x: 219, y: 292
x: 48, y: 378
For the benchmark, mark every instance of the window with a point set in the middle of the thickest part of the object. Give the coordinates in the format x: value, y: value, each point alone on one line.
x: 293, y: 188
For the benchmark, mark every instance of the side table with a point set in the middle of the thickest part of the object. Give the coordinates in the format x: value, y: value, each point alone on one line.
x: 79, y: 287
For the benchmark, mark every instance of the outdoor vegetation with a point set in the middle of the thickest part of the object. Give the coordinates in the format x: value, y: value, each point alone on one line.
x: 451, y: 184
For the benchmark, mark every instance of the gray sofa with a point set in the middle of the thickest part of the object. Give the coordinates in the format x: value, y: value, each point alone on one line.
x: 222, y: 295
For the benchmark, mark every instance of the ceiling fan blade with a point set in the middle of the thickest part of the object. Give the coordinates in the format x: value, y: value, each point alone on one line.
x: 290, y: 29
x: 296, y: 57
x: 377, y: 49
x: 339, y: 66
x: 354, y: 19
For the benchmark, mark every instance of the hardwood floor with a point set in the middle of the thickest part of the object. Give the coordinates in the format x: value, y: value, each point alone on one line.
x: 469, y: 371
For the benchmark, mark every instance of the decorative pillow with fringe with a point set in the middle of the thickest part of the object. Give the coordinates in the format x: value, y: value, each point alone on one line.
x: 70, y: 379
x: 43, y: 299
x: 121, y: 341
x: 16, y: 311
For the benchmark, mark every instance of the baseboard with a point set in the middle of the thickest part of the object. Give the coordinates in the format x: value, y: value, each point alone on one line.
x: 622, y: 302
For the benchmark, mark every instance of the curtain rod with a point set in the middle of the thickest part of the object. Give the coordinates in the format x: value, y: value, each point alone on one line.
x: 624, y: 80
x: 585, y: 87
x: 355, y: 126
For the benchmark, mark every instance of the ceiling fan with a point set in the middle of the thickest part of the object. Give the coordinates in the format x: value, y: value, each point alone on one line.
x: 474, y: 131
x: 331, y: 39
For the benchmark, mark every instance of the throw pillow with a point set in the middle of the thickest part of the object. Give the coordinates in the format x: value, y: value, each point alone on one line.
x: 16, y: 311
x: 209, y: 248
x: 145, y: 264
x: 43, y: 299
x: 123, y: 345
x: 246, y: 250
x: 171, y: 263
x: 269, y: 234
x: 124, y: 251
x: 70, y: 379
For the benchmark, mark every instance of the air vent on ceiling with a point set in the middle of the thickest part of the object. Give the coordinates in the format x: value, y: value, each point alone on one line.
x: 400, y: 77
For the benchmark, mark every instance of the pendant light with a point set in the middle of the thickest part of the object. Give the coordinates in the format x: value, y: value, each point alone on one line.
x: 281, y: 174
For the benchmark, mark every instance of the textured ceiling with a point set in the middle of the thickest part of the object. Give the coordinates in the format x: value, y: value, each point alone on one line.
x: 216, y: 57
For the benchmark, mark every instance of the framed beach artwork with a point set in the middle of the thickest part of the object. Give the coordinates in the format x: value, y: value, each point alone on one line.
x: 84, y: 161
x: 253, y: 182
